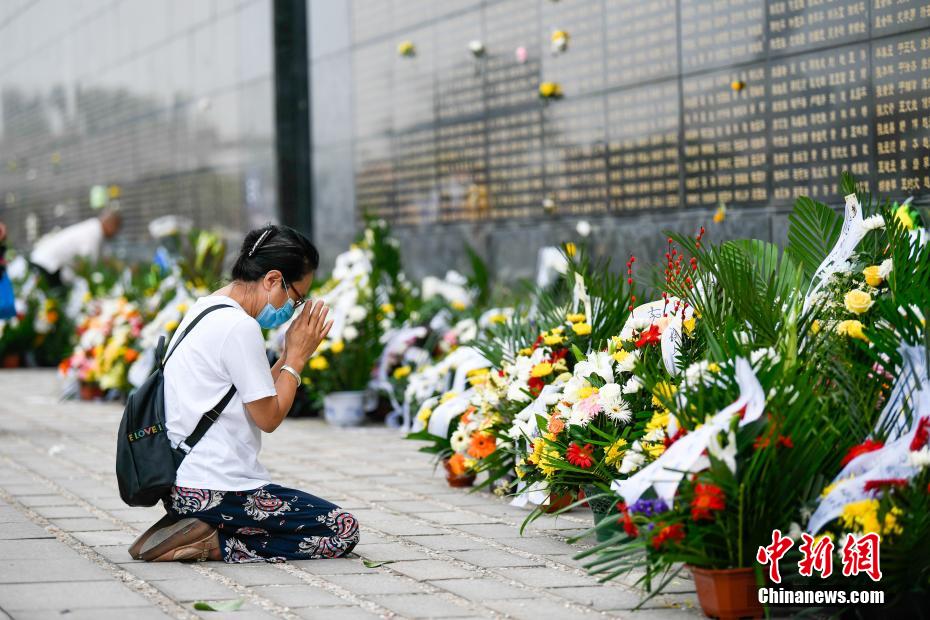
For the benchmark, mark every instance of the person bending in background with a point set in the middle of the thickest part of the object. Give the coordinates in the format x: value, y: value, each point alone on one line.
x: 224, y: 505
x: 57, y: 250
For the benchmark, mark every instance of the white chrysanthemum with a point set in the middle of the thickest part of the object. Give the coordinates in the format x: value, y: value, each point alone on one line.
x: 577, y: 417
x: 760, y: 354
x: 873, y: 222
x: 632, y: 386
x: 459, y: 440
x: 884, y: 270
x: 613, y: 405
x: 349, y: 333
x: 356, y: 314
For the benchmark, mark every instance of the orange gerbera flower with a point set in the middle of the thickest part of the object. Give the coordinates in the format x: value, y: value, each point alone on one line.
x: 130, y: 356
x: 482, y: 445
x: 457, y: 464
x: 556, y: 424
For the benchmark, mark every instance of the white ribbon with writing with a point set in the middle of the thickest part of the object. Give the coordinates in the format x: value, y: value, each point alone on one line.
x: 443, y: 414
x: 665, y: 473
x: 850, y: 235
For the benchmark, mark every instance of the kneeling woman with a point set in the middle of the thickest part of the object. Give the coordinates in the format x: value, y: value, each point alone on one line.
x: 224, y: 505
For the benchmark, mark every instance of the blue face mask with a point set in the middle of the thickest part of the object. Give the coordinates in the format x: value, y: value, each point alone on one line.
x: 271, y: 317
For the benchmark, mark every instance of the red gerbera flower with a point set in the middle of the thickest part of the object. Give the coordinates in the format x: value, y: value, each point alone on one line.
x: 536, y: 385
x: 863, y: 448
x: 673, y: 533
x: 558, y: 355
x: 650, y: 336
x: 578, y: 456
x: 884, y: 483
x: 708, y: 499
x: 922, y: 434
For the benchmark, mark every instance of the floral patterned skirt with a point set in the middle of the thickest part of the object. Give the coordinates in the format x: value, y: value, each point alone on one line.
x: 269, y: 524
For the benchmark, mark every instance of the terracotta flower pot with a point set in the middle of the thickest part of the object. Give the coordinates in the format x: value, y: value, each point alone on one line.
x: 457, y: 480
x: 558, y: 502
x: 727, y: 594
x: 90, y: 391
x: 11, y: 360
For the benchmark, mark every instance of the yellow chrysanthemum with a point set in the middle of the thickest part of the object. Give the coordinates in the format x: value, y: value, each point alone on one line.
x: 401, y: 371
x: 170, y: 326
x: 538, y: 445
x: 497, y: 318
x: 387, y: 308
x: 542, y: 369
x: 552, y: 340
x: 582, y: 329
x: 338, y: 347
x: 713, y: 367
x: 621, y: 355
x: 574, y: 317
x: 525, y: 352
x: 447, y: 397
x: 549, y: 461
x: 658, y: 421
x: 654, y: 450
x: 424, y: 414
x: 862, y: 516
x: 318, y: 363
x: 689, y: 325
x: 615, y: 452
x: 662, y: 393
x: 815, y: 326
x: 903, y: 215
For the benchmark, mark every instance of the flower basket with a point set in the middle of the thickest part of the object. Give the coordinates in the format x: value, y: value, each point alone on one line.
x: 11, y: 360
x: 344, y: 408
x: 90, y: 391
x: 602, y: 508
x: 557, y: 502
x: 455, y: 479
x: 727, y: 594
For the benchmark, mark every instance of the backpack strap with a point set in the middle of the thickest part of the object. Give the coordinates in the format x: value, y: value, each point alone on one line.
x: 208, y: 418
x: 186, y: 331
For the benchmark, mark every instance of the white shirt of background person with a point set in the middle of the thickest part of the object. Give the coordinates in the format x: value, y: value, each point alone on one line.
x: 57, y: 249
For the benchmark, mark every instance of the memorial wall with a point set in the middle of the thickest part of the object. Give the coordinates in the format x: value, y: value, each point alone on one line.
x: 669, y: 109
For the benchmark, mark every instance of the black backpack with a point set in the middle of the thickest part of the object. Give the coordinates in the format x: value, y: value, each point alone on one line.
x: 146, y: 464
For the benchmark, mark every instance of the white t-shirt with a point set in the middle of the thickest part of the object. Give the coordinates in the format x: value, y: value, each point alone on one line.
x: 225, y: 348
x: 56, y: 250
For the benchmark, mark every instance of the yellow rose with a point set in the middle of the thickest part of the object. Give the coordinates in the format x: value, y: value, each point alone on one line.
x: 857, y: 301
x: 873, y: 275
x: 575, y: 317
x: 542, y: 369
x: 401, y: 371
x: 851, y: 328
x: 318, y: 363
x: 570, y: 247
x: 582, y: 329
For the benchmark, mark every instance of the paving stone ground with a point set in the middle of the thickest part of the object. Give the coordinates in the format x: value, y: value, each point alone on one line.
x: 64, y: 533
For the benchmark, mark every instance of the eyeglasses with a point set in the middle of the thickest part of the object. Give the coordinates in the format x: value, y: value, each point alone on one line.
x: 301, y: 298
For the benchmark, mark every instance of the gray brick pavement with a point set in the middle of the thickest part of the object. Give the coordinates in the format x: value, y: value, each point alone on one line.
x: 64, y: 533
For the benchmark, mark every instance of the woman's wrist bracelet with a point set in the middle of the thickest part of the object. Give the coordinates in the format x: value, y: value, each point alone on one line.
x: 292, y: 372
